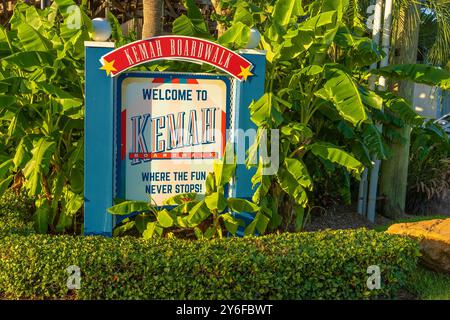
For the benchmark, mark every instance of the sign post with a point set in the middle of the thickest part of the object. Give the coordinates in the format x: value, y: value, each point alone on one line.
x: 158, y: 134
x: 99, y: 142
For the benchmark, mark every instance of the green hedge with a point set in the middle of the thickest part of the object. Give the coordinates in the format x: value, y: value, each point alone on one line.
x: 15, y: 213
x: 317, y: 265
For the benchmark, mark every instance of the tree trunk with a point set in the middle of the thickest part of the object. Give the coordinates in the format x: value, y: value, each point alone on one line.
x: 152, y: 14
x: 394, y: 171
x: 221, y: 28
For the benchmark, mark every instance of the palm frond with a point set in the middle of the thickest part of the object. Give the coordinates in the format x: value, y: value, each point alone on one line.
x: 439, y: 53
x: 428, y: 12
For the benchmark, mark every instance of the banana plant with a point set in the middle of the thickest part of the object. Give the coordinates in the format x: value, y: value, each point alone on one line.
x: 317, y: 96
x: 41, y: 110
x: 204, y: 215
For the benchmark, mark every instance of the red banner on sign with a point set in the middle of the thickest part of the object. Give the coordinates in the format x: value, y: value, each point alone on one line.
x: 176, y: 48
x: 174, y: 155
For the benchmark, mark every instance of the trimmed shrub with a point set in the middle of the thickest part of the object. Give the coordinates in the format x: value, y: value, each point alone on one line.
x: 15, y: 213
x: 317, y: 265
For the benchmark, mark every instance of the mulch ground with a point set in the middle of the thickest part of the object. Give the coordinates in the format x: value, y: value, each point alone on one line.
x: 342, y: 218
x: 347, y: 218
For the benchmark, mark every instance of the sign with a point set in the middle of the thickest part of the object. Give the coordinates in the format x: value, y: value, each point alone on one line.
x: 172, y: 128
x: 158, y: 134
x: 176, y: 48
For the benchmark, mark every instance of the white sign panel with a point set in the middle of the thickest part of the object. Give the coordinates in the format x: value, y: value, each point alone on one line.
x: 172, y: 130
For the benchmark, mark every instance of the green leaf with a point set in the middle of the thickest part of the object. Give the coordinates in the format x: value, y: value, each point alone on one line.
x: 402, y: 109
x: 324, y: 19
x: 165, y: 219
x: 128, y: 207
x: 31, y: 39
x: 75, y: 20
x: 373, y: 140
x: 263, y: 111
x: 198, y: 214
x: 286, y: 9
x: 116, y: 34
x: 224, y: 169
x: 237, y: 36
x: 361, y: 51
x: 243, y: 15
x: 336, y: 155
x: 141, y: 221
x: 419, y: 73
x: 299, y: 218
x: 39, y: 164
x: 6, y: 101
x: 5, y: 167
x: 437, y: 131
x: 370, y: 98
x: 32, y: 17
x: 194, y: 14
x: 181, y: 198
x: 299, y: 171
x: 231, y: 223
x: 292, y: 187
x: 344, y: 93
x: 72, y: 202
x: 183, y: 26
x: 346, y: 130
x: 210, y: 183
x: 68, y: 102
x: 23, y: 152
x: 41, y: 217
x: 263, y: 181
x: 283, y: 11
x: 191, y: 25
x: 258, y: 224
x: 124, y: 227
x: 344, y: 189
x: 64, y: 222
x: 57, y: 188
x: 241, y: 205
x: 4, y: 184
x: 210, y: 232
x: 216, y: 200
x: 77, y: 154
x: 296, y: 132
x: 184, y: 208
x: 149, y: 230
x: 76, y: 179
x: 29, y: 59
x: 198, y: 233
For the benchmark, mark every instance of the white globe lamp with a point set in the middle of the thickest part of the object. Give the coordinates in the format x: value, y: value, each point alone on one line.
x: 102, y: 29
x: 254, y: 39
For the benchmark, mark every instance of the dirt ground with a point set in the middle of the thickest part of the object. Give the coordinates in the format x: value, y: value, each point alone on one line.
x: 348, y: 218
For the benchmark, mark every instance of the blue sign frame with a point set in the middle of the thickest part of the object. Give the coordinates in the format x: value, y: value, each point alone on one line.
x: 101, y: 150
x: 119, y: 164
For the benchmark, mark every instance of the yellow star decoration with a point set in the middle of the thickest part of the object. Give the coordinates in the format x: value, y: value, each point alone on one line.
x: 108, y: 66
x: 245, y: 72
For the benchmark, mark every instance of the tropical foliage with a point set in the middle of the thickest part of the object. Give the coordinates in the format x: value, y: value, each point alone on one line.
x: 318, y: 66
x: 316, y: 95
x: 428, y: 170
x: 41, y: 110
x: 191, y: 214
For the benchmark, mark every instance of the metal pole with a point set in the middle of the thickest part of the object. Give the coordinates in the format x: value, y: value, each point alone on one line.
x: 376, y: 34
x: 44, y: 4
x: 386, y: 41
x: 362, y: 195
